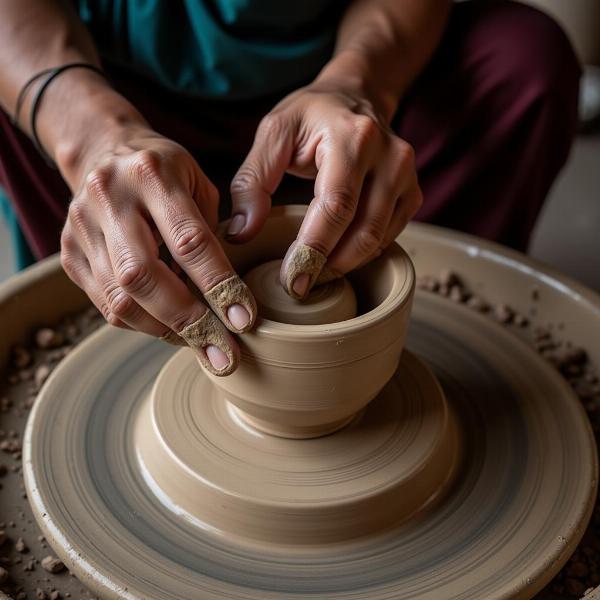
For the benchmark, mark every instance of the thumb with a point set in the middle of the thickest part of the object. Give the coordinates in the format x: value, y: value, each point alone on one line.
x: 259, y: 176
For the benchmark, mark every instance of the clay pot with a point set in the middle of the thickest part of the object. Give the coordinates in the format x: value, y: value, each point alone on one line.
x: 309, y: 380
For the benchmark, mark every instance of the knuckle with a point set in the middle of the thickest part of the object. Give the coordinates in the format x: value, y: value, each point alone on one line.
x: 67, y: 241
x: 271, y: 125
x: 69, y: 263
x: 97, y: 182
x: 190, y: 241
x: 338, y: 207
x: 368, y: 239
x: 404, y: 151
x: 145, y: 164
x: 365, y: 129
x: 78, y: 214
x: 105, y: 311
x: 133, y: 274
x: 114, y: 320
x: 120, y: 304
x: 245, y: 180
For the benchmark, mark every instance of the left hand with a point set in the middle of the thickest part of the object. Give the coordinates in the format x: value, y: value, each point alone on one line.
x: 366, y: 187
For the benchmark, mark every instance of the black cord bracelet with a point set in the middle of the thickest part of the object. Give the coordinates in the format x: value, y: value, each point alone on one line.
x: 36, y: 102
x: 23, y: 94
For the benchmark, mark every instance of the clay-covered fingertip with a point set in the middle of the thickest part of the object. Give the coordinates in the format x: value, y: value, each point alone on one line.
x: 301, y: 260
x: 225, y: 371
x: 208, y: 330
x: 228, y: 293
x: 327, y: 275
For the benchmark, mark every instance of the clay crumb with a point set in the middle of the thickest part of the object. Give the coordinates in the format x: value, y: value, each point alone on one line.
x: 478, y: 303
x: 40, y: 594
x: 53, y: 564
x: 40, y: 375
x: 11, y: 446
x: 48, y: 338
x: 21, y: 546
x: 30, y: 566
x: 428, y: 283
x: 21, y: 357
x: 504, y: 313
x: 449, y: 278
x: 456, y: 294
x: 521, y: 320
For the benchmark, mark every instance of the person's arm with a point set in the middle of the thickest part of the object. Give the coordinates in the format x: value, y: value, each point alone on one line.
x: 337, y: 130
x: 382, y: 45
x: 40, y: 34
x: 131, y: 188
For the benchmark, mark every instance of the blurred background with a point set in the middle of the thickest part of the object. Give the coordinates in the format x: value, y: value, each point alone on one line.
x: 567, y: 235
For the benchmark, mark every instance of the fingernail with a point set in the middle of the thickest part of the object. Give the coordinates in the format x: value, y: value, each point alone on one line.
x: 237, y: 224
x: 233, y: 292
x: 300, y: 285
x: 238, y: 316
x: 218, y: 359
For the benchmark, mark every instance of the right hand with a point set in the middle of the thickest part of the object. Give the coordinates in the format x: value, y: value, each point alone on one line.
x: 135, y: 191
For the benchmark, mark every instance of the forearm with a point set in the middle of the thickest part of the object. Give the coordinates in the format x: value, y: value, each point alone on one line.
x: 382, y: 45
x: 79, y: 105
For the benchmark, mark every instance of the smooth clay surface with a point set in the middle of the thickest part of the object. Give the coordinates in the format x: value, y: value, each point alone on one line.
x: 307, y: 380
x: 396, y: 458
x: 514, y: 512
x: 331, y: 302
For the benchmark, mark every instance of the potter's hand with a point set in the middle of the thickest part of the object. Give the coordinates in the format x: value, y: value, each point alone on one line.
x: 365, y: 190
x: 135, y: 192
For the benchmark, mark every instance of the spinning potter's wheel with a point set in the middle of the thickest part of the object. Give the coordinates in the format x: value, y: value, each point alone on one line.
x: 485, y: 463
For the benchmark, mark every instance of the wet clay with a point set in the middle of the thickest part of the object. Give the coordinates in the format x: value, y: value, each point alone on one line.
x: 275, y: 490
x: 101, y: 412
x: 329, y: 303
x: 493, y: 384
x: 305, y: 380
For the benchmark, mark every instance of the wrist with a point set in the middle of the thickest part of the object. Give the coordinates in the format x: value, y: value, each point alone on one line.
x: 350, y: 71
x: 80, y: 114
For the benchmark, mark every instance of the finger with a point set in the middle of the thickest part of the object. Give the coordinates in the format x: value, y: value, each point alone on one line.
x: 201, y: 256
x: 76, y: 266
x: 154, y: 287
x: 116, y: 301
x: 206, y: 197
x: 337, y: 190
x: 406, y: 208
x: 395, y: 177
x: 258, y: 177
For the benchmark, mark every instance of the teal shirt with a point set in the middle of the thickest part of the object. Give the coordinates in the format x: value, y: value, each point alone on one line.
x: 216, y: 48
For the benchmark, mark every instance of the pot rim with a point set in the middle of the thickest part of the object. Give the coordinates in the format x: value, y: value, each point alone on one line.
x: 398, y: 296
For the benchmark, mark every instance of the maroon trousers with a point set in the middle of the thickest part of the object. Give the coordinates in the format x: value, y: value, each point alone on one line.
x: 491, y: 119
